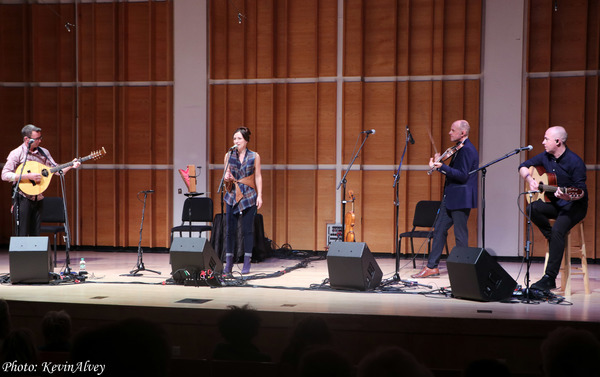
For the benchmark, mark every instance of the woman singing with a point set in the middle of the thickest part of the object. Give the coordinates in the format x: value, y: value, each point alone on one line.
x: 243, y: 196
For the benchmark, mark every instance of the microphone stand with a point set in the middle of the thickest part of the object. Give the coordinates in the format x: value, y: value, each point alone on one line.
x: 397, y: 209
x: 343, y: 182
x: 483, y: 170
x: 67, y: 236
x: 140, y: 263
x: 222, y: 252
x: 15, y: 198
x: 528, y: 298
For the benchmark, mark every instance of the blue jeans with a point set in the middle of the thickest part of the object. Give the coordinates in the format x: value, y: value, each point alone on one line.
x: 247, y: 225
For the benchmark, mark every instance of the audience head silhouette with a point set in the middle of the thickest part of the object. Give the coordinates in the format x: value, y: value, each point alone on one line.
x: 131, y: 347
x: 569, y: 352
x: 392, y: 361
x: 239, y: 326
x: 56, y: 328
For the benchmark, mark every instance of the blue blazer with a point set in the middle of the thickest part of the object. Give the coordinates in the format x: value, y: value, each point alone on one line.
x: 461, y: 188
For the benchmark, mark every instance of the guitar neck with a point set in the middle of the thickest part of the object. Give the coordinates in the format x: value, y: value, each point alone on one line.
x: 69, y: 164
x: 548, y: 188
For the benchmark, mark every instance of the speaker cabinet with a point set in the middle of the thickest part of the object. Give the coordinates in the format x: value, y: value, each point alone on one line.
x: 29, y: 260
x: 189, y: 253
x: 474, y: 274
x: 352, y: 266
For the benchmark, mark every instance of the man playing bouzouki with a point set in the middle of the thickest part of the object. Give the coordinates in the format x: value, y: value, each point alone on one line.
x: 567, y: 208
x: 29, y: 206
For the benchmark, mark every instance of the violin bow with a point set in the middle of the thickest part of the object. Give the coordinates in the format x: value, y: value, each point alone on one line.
x: 432, y: 142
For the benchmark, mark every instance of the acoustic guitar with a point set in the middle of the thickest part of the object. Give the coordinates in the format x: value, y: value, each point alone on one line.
x: 30, y: 187
x: 547, y: 184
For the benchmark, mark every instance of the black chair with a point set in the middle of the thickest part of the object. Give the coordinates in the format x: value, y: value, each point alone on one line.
x: 195, y: 210
x: 425, y: 215
x: 53, y: 219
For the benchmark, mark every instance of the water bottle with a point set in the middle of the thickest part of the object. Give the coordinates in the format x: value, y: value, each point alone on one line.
x: 82, y: 266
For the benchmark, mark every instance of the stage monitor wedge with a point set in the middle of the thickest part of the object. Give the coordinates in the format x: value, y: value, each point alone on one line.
x: 194, y: 252
x: 351, y: 266
x: 474, y: 274
x: 29, y: 260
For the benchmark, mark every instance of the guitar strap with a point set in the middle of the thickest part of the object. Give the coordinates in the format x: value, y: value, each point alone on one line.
x: 43, y: 154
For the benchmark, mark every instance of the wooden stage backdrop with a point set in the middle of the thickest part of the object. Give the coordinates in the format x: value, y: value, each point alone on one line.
x: 305, y: 81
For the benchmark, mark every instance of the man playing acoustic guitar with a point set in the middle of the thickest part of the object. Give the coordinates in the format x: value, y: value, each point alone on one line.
x: 568, y: 205
x: 29, y: 206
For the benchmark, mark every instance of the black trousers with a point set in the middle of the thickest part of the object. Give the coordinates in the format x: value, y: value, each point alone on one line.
x: 29, y: 216
x: 566, y: 218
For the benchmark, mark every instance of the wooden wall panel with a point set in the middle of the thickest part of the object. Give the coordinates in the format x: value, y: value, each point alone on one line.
x: 52, y: 45
x: 421, y: 38
x: 379, y: 113
x: 559, y: 41
x: 539, y: 31
x: 302, y: 28
x: 380, y: 25
x: 327, y: 37
x: 302, y: 124
x: 296, y: 121
x: 569, y: 40
x: 13, y: 35
x: 354, y: 38
x: 117, y: 42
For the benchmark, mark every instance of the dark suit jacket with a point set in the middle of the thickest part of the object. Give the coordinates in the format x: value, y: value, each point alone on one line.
x: 461, y: 188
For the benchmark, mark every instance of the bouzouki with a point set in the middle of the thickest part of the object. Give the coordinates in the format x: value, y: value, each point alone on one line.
x: 30, y: 187
x: 547, y: 184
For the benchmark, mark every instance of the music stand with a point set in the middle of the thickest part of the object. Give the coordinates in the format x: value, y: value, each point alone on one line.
x: 140, y: 263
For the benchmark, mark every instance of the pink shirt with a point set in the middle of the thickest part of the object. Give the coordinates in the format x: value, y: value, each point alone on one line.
x: 17, y: 156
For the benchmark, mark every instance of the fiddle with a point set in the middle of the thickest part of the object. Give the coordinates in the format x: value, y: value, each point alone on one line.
x: 446, y: 155
x: 349, y: 221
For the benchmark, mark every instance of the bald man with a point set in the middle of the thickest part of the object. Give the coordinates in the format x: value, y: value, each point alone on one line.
x: 568, y: 210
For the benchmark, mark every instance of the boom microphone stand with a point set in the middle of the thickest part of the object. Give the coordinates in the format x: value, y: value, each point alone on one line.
x: 343, y: 180
x: 483, y: 173
x: 140, y: 263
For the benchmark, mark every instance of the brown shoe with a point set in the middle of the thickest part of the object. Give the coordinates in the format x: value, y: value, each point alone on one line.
x: 426, y: 272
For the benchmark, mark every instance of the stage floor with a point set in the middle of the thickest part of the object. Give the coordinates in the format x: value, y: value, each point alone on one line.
x: 422, y: 316
x: 295, y: 291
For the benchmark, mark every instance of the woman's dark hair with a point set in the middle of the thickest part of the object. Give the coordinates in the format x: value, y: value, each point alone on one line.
x: 245, y: 133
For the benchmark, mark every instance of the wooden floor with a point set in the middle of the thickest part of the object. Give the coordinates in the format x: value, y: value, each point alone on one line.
x: 418, y: 316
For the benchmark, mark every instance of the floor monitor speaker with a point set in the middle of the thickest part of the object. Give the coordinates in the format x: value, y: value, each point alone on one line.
x: 352, y: 266
x: 194, y: 254
x: 29, y: 260
x: 474, y: 274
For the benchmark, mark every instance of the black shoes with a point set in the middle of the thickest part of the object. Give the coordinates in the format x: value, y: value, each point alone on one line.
x: 546, y: 283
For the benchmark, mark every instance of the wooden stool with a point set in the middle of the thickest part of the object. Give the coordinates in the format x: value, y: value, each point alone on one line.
x: 565, y: 266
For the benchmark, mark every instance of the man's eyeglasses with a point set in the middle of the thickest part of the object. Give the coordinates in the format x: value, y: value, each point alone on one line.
x: 35, y: 138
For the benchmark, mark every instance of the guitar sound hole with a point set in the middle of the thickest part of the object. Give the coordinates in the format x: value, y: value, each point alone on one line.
x: 45, y: 172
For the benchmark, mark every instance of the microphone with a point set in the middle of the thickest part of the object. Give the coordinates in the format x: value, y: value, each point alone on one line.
x: 31, y: 141
x: 147, y: 191
x: 532, y: 192
x: 368, y: 132
x: 232, y: 148
x: 410, y: 137
x: 527, y: 148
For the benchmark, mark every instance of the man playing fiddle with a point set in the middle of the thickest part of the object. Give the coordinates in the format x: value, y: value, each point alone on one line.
x: 460, y: 195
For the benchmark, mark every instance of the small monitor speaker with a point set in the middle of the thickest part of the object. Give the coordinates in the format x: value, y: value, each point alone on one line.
x: 29, y: 260
x: 352, y: 266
